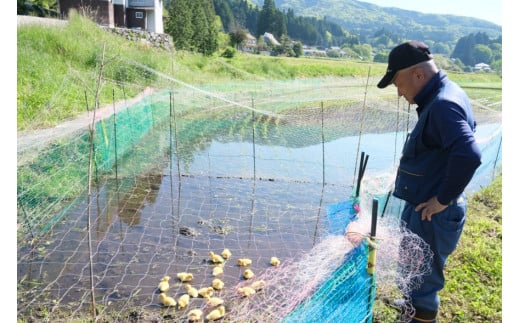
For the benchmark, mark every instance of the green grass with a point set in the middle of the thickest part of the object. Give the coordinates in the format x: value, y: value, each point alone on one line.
x: 473, y: 289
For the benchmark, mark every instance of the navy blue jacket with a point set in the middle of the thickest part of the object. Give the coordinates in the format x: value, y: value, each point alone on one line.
x: 440, y: 155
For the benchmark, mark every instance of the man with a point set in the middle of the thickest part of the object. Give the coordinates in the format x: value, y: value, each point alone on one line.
x: 439, y: 159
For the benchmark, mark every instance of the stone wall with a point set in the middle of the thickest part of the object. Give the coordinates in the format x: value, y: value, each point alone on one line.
x: 154, y: 39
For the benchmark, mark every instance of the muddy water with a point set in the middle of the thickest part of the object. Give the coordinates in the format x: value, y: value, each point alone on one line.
x: 161, y: 223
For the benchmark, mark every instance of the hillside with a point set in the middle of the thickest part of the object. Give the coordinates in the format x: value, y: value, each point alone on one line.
x: 365, y: 19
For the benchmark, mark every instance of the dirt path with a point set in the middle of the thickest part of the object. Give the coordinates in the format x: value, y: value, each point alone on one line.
x: 30, y: 142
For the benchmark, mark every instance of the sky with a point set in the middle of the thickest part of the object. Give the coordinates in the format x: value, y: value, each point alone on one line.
x: 490, y: 10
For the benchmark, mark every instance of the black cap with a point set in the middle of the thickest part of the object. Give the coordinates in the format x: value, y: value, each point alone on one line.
x: 403, y: 56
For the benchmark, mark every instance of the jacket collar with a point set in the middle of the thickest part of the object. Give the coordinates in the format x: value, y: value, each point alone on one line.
x: 429, y: 91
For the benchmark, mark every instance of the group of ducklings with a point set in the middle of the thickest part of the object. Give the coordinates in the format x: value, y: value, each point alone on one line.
x: 196, y: 315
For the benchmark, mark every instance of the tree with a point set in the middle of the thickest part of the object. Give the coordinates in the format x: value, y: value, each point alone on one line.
x: 287, y: 47
x: 210, y: 44
x: 298, y: 49
x: 364, y: 51
x: 236, y: 37
x: 40, y: 8
x: 381, y: 58
x: 260, y: 44
x: 199, y: 25
x: 271, y: 20
x: 464, y: 50
x: 483, y: 54
x: 193, y: 25
x: 440, y: 48
x: 225, y: 13
x: 179, y: 25
x: 497, y: 65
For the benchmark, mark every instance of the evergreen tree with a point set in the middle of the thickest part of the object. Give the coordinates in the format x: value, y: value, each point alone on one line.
x: 179, y: 25
x: 478, y: 48
x: 192, y: 25
x: 271, y: 20
x: 252, y: 15
x: 199, y: 25
x: 211, y: 36
x: 301, y: 28
x: 223, y: 10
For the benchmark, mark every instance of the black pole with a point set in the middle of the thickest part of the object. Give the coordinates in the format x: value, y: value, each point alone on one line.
x: 371, y: 262
x: 375, y: 205
x: 359, y: 174
x: 386, y: 203
x: 362, y: 166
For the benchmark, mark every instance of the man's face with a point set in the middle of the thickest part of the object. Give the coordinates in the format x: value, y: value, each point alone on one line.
x: 409, y: 82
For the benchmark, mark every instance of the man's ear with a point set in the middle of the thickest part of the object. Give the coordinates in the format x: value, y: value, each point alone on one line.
x: 418, y: 73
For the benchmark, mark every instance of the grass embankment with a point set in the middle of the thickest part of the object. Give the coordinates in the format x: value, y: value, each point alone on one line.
x: 473, y: 290
x: 58, y: 71
x: 59, y: 67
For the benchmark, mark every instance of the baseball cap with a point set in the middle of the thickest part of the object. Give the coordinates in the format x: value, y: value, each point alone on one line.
x: 402, y: 56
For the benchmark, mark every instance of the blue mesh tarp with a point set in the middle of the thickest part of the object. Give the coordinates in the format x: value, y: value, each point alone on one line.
x: 340, y: 214
x: 348, y: 295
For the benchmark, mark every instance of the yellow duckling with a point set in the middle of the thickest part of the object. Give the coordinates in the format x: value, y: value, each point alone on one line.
x: 216, y: 259
x: 206, y: 292
x: 167, y: 300
x: 246, y: 291
x: 217, y: 284
x: 216, y: 313
x: 192, y: 291
x: 244, y: 262
x: 248, y: 273
x: 215, y: 301
x: 164, y: 285
x: 218, y: 270
x: 275, y: 261
x: 195, y: 315
x: 258, y: 285
x: 226, y: 253
x: 184, y: 276
x: 183, y: 301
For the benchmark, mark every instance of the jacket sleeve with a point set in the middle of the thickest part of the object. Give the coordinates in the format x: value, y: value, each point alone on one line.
x: 449, y: 129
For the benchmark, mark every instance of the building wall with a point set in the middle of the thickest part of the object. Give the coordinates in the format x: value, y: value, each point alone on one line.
x: 155, y: 18
x: 119, y: 15
x: 101, y: 10
x: 136, y: 18
x: 153, y: 11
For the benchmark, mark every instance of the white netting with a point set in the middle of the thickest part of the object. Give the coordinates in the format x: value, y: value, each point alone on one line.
x: 246, y: 165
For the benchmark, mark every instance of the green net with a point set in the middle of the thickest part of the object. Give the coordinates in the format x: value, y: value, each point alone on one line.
x: 148, y: 187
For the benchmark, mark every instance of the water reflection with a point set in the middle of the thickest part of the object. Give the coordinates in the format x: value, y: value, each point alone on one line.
x: 222, y: 198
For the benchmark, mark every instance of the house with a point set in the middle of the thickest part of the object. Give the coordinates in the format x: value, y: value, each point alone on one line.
x: 269, y: 39
x: 482, y: 67
x: 314, y: 52
x: 144, y: 15
x: 249, y: 44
